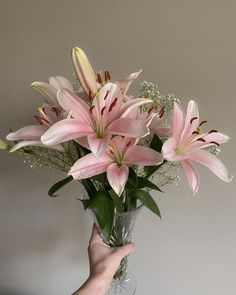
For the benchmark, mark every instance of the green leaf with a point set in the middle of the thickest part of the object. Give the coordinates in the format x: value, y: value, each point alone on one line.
x: 86, y: 203
x: 156, y: 143
x: 89, y: 187
x: 132, y: 179
x: 117, y: 201
x: 144, y: 182
x: 59, y: 185
x: 147, y: 200
x: 103, y: 207
x: 150, y: 170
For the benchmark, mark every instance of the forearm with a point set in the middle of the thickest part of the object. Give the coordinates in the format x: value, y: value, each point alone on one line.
x: 95, y: 285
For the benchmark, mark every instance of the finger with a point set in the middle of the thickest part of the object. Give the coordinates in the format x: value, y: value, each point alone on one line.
x: 125, y: 250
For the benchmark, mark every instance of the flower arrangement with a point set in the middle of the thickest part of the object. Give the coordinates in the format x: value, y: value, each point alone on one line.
x: 119, y: 147
x: 115, y: 144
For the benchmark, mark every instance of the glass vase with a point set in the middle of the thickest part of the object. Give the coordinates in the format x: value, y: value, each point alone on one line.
x: 124, y: 282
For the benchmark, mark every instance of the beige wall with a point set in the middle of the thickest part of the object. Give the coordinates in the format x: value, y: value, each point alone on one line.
x: 189, y: 48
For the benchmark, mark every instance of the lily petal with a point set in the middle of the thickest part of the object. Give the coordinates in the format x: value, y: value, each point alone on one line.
x: 211, y: 162
x: 169, y: 151
x: 137, y: 154
x: 71, y: 102
x: 89, y: 165
x: 192, y: 175
x: 83, y: 141
x: 133, y: 103
x: 177, y: 121
x: 124, y: 84
x: 117, y: 177
x: 60, y: 82
x: 191, y: 121
x: 98, y: 145
x: 31, y: 132
x: 128, y: 127
x: 65, y: 130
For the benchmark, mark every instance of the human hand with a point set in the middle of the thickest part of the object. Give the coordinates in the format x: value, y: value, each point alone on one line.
x: 104, y: 262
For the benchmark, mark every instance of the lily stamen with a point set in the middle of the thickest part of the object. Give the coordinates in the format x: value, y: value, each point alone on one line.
x: 196, y: 132
x: 201, y: 139
x: 55, y: 110
x: 214, y: 142
x: 113, y: 104
x: 107, y: 75
x: 162, y: 112
x: 212, y: 131
x: 194, y: 118
x: 103, y: 109
x: 99, y: 77
x: 105, y: 97
x: 203, y: 122
x: 91, y: 109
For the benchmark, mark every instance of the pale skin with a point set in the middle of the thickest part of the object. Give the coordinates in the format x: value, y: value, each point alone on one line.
x: 104, y: 262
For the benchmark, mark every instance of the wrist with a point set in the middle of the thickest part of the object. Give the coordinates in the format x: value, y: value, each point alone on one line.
x: 96, y: 284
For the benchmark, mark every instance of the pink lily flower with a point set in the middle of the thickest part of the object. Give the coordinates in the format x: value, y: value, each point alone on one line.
x: 120, y: 153
x: 106, y: 116
x: 30, y: 135
x: 188, y: 144
x: 49, y: 90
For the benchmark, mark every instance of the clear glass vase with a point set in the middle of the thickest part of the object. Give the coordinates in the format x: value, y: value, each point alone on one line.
x: 124, y: 282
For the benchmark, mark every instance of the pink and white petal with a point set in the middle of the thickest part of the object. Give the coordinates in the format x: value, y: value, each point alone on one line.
x: 192, y: 175
x: 65, y: 130
x: 128, y: 127
x: 166, y: 131
x: 156, y: 127
x: 25, y: 143
x: 169, y: 151
x: 124, y: 84
x: 210, y: 139
x: 177, y: 121
x: 31, y: 132
x: 117, y: 177
x: 132, y: 103
x: 49, y: 92
x: 83, y: 141
x: 142, y: 155
x: 89, y: 166
x: 59, y: 82
x: 98, y: 145
x: 217, y: 137
x: 191, y: 121
x: 71, y: 102
x: 110, y: 92
x: 211, y: 162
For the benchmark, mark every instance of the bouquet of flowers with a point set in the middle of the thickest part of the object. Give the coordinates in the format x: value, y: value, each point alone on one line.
x: 119, y: 147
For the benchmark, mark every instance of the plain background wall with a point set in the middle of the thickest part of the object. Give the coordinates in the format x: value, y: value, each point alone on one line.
x: 188, y: 48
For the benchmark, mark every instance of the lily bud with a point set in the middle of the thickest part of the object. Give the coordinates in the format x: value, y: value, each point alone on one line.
x: 3, y: 145
x: 84, y: 71
x: 49, y: 93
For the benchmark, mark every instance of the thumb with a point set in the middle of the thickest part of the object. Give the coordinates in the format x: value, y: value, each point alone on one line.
x: 125, y: 250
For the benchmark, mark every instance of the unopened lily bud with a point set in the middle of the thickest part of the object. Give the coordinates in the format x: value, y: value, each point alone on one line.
x: 49, y: 93
x: 84, y: 71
